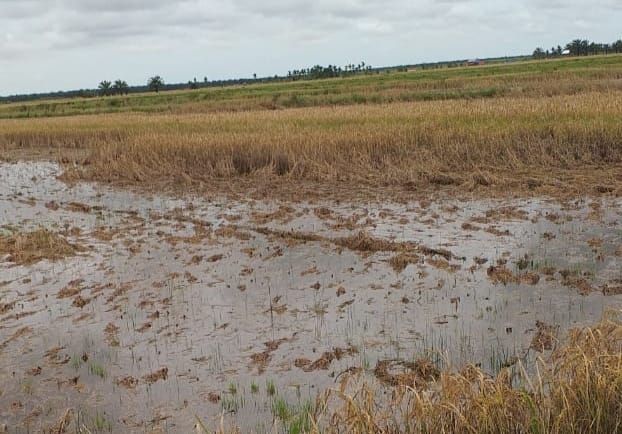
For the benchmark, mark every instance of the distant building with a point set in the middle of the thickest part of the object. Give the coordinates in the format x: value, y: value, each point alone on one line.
x: 566, y: 53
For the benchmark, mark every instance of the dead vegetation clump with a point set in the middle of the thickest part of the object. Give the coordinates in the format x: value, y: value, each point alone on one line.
x: 501, y: 274
x: 442, y: 264
x: 578, y: 389
x: 232, y: 231
x: 402, y: 260
x: 111, y: 334
x: 262, y: 359
x: 291, y: 236
x: 573, y: 280
x: 498, y: 232
x: 412, y: 374
x: 160, y: 374
x: 322, y: 363
x: 283, y: 215
x: 363, y: 242
x: 325, y: 360
x: 530, y: 278
x: 545, y: 337
x: 30, y: 247
x: 20, y: 332
x: 612, y: 288
x: 72, y: 288
x: 5, y: 307
x: 80, y: 302
x: 323, y: 213
x: 62, y: 425
x: 128, y: 382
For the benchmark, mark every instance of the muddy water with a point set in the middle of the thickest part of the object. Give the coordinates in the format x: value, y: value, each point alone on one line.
x: 178, y: 306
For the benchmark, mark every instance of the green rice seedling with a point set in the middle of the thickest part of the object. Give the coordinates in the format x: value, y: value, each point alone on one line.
x: 254, y: 388
x: 97, y: 369
x: 270, y: 388
x: 230, y: 404
x: 233, y: 388
x: 101, y: 423
x: 76, y: 362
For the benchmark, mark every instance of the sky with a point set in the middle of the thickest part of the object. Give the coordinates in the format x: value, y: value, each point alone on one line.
x: 50, y: 45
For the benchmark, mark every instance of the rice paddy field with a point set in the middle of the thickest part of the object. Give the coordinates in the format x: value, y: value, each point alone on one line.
x: 418, y: 252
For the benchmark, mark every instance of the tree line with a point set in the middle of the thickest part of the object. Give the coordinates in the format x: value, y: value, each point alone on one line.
x: 120, y: 87
x: 330, y: 71
x: 579, y: 47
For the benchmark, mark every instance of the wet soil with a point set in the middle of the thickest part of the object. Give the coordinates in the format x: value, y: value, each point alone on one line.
x: 185, y: 306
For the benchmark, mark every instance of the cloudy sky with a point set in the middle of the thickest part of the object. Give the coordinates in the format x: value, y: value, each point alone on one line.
x: 67, y: 44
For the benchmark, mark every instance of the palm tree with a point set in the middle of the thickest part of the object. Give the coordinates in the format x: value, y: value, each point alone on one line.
x: 104, y: 87
x: 120, y: 87
x: 539, y: 53
x: 574, y: 47
x: 155, y: 83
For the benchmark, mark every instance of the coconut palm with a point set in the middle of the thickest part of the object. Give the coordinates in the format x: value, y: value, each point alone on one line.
x: 104, y: 87
x: 120, y: 87
x: 155, y: 83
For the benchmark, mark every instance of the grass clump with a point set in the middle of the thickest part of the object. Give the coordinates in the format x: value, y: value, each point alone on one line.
x: 101, y: 423
x: 76, y: 362
x: 270, y: 388
x: 233, y: 388
x: 254, y: 388
x: 297, y: 418
x: 30, y: 247
x: 97, y: 369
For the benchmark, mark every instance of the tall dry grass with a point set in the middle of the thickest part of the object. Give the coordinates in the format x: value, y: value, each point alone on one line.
x: 443, y: 142
x: 578, y: 391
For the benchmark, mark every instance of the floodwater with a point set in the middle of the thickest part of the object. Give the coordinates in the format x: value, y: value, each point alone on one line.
x: 180, y: 309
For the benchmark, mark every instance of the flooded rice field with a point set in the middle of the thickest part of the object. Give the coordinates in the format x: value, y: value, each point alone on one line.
x: 163, y: 311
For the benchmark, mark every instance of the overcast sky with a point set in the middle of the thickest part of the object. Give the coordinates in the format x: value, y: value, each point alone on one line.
x: 50, y: 45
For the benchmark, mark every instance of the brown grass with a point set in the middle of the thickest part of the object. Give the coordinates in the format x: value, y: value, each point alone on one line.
x: 402, y: 260
x: 579, y: 390
x: 30, y: 247
x: 365, y: 243
x: 560, y: 142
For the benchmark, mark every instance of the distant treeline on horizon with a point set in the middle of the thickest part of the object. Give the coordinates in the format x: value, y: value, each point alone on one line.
x: 577, y: 47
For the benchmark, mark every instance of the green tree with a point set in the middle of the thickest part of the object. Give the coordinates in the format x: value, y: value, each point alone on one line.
x: 120, y: 87
x: 539, y: 53
x: 104, y: 87
x: 155, y: 83
x: 574, y: 47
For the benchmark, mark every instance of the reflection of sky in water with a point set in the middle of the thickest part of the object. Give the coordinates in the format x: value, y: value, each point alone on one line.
x: 203, y: 320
